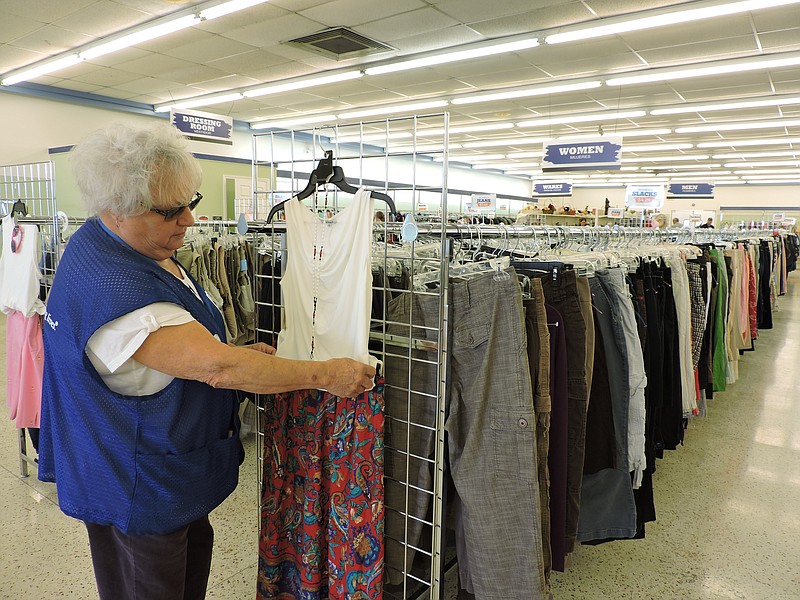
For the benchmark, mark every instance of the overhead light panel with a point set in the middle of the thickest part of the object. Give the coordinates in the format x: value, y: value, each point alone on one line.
x: 388, y: 110
x: 612, y: 116
x: 673, y: 17
x: 765, y: 171
x: 42, y: 69
x: 746, y: 155
x: 692, y: 108
x: 739, y: 126
x: 666, y: 158
x: 766, y: 163
x: 227, y: 8
x: 527, y: 92
x: 448, y: 57
x: 300, y: 84
x: 195, y: 102
x: 682, y: 166
x: 716, y: 68
x: 138, y: 37
x: 290, y: 123
x: 743, y: 143
x: 657, y: 147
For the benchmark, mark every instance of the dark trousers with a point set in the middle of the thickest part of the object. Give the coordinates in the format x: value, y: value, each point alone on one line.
x: 173, y: 566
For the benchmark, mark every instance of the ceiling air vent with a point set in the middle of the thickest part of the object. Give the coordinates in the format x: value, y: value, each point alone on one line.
x: 340, y: 44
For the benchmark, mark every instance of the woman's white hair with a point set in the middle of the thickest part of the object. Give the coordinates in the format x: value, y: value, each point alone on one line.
x: 127, y: 170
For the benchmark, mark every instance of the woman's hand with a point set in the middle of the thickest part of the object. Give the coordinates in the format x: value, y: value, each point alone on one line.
x: 349, y: 378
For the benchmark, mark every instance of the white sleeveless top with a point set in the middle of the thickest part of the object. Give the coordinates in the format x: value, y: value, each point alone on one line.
x: 327, y: 284
x: 19, y: 270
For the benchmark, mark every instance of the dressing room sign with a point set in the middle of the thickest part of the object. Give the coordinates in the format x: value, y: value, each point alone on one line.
x: 601, y: 153
x: 552, y: 189
x: 690, y: 190
x: 202, y: 126
x: 640, y: 197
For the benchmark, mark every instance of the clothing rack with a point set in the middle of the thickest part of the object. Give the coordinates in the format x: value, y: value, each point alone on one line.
x: 32, y: 185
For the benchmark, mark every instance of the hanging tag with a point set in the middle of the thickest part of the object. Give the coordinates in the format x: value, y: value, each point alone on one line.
x: 409, y: 230
x: 241, y: 224
x: 243, y: 265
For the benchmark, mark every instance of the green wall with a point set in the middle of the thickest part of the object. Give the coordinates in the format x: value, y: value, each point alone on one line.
x: 213, y: 187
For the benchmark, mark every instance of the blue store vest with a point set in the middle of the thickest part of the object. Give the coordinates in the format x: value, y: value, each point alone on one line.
x: 145, y: 464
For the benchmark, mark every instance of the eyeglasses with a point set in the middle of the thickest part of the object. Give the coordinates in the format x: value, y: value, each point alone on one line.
x: 172, y: 213
x: 16, y: 238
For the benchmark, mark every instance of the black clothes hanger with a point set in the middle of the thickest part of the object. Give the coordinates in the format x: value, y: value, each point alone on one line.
x: 327, y: 172
x: 19, y: 208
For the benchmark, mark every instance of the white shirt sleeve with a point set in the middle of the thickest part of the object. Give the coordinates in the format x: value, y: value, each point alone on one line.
x: 112, y: 346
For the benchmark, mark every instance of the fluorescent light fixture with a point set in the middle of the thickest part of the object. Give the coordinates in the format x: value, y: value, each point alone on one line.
x: 739, y: 126
x: 194, y: 102
x: 525, y: 154
x: 623, y: 25
x: 775, y: 181
x: 377, y: 137
x: 527, y: 92
x: 765, y: 171
x: 666, y: 158
x: 699, y: 174
x: 470, y: 158
x: 562, y: 176
x: 227, y: 8
x: 715, y: 68
x: 776, y: 176
x: 42, y: 69
x: 397, y: 108
x: 740, y: 143
x: 504, y: 166
x: 682, y: 166
x: 766, y: 163
x: 657, y: 147
x: 300, y: 84
x: 518, y: 141
x: 745, y: 155
x: 447, y: 57
x: 140, y: 36
x: 691, y: 108
x: 628, y: 114
x: 289, y: 123
x: 629, y: 168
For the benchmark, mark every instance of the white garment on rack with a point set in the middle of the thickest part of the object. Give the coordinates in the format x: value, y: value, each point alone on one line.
x: 327, y: 285
x: 19, y: 271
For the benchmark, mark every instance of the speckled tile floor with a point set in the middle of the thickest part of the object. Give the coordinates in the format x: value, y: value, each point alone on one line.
x: 728, y: 507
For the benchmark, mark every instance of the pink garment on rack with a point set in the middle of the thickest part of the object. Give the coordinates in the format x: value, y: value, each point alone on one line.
x: 753, y: 297
x: 24, y: 368
x: 744, y: 298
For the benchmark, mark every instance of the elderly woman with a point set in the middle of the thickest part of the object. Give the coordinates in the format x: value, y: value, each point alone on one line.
x: 139, y: 418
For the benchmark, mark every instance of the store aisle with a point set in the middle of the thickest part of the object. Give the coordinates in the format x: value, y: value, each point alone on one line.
x: 728, y: 520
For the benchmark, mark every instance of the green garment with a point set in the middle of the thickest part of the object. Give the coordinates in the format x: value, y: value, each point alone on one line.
x: 720, y: 359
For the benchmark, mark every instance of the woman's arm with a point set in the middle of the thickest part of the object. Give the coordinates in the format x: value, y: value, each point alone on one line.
x: 189, y: 351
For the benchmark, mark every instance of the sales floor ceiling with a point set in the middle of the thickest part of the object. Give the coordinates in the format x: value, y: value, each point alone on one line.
x: 255, y: 46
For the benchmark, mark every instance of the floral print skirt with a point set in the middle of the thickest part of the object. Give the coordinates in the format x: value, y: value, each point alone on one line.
x: 322, y: 495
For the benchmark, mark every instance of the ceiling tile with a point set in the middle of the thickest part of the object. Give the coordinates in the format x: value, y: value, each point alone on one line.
x: 227, y: 82
x: 77, y: 86
x: 50, y: 40
x: 504, y: 79
x: 194, y: 74
x: 534, y: 20
x: 159, y: 8
x: 595, y: 65
x: 154, y: 65
x: 348, y: 13
x: 146, y: 85
x: 102, y: 19
x: 776, y: 19
x: 418, y: 21
x: 116, y: 58
x: 107, y: 77
x: 247, y: 62
x: 45, y: 11
x: 212, y: 48
x: 434, y: 88
x: 190, y: 35
x: 788, y: 39
x: 475, y: 11
x: 273, y: 32
x: 13, y: 27
x: 116, y: 93
x: 444, y: 38
x: 702, y: 51
x: 608, y: 8
x: 278, y: 72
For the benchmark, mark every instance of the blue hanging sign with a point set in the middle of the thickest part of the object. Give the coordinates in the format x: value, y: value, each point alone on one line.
x: 690, y: 190
x: 602, y: 153
x: 203, y: 126
x: 550, y: 188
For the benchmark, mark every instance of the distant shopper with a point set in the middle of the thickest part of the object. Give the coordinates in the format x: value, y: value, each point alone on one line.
x: 709, y: 224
